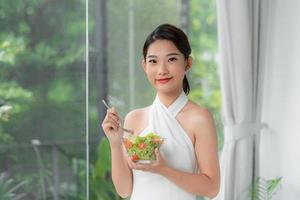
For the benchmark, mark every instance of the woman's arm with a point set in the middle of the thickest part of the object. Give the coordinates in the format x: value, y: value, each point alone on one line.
x: 200, y: 184
x: 121, y: 173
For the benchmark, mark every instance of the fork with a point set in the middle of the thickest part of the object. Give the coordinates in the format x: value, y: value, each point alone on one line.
x: 124, y: 129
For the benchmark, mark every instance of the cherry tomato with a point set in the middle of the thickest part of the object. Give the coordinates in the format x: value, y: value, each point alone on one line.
x: 142, y: 145
x: 128, y: 144
x: 135, y: 157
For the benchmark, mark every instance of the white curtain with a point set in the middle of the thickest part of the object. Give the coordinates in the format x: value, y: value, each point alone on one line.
x: 242, y: 26
x: 280, y: 143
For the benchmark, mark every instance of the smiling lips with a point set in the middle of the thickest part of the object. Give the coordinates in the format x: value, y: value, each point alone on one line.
x: 163, y: 80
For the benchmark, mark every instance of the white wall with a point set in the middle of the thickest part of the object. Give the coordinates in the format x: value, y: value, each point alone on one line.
x: 280, y: 144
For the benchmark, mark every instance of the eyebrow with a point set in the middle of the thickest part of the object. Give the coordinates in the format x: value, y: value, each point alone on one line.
x: 173, y: 54
x: 169, y: 54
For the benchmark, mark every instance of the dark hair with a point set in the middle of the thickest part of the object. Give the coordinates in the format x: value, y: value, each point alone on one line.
x: 179, y: 39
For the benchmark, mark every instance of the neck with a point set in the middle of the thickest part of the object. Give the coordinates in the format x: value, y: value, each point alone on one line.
x: 168, y: 98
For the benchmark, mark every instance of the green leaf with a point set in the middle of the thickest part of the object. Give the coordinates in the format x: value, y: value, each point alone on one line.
x: 264, y: 189
x: 103, y: 164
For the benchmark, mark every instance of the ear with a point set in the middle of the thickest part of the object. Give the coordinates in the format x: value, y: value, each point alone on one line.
x: 144, y: 65
x: 189, y: 63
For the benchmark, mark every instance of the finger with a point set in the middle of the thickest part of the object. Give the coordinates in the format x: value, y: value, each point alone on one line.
x: 105, y: 119
x: 140, y: 166
x: 110, y: 126
x: 130, y: 163
x: 158, y: 156
x: 114, y: 115
x: 157, y: 152
x: 133, y: 165
x: 111, y: 121
x: 114, y: 118
x: 110, y: 130
x: 113, y: 111
x: 110, y: 117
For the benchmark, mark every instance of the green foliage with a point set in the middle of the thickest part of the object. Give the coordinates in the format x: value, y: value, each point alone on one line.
x: 75, y: 191
x: 265, y: 189
x: 203, y: 78
x: 102, y: 187
x: 103, y: 164
x: 60, y: 91
x: 9, y: 188
x: 12, y: 94
x: 13, y: 99
x: 42, y: 47
x: 10, y: 46
x: 4, y: 112
x: 42, y: 80
x: 100, y: 184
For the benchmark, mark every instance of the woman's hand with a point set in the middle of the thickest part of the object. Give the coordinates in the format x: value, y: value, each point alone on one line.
x: 155, y: 167
x: 111, y: 126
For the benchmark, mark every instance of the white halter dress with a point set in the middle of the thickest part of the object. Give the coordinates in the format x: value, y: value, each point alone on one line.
x: 177, y: 150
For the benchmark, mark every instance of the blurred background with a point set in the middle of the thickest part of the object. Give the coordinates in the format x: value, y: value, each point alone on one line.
x: 43, y: 86
x: 42, y: 99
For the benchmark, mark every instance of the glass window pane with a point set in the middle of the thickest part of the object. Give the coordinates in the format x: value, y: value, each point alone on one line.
x: 42, y: 80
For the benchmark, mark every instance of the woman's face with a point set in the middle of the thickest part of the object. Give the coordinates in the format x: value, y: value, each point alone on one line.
x: 165, y: 66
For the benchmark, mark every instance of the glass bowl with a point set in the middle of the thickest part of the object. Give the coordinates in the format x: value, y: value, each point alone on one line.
x: 142, y: 148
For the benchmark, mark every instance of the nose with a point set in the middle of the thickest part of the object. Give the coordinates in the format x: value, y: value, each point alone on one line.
x: 162, y: 69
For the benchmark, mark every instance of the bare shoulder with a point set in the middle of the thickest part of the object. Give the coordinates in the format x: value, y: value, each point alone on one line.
x: 199, y: 119
x: 197, y: 113
x: 136, y: 114
x: 136, y: 119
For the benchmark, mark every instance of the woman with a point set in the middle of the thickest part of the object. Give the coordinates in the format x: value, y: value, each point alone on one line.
x: 187, y: 162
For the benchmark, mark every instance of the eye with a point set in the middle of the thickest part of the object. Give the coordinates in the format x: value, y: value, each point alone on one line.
x: 152, y: 61
x: 172, y: 59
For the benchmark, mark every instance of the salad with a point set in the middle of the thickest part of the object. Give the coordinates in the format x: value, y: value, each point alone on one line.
x: 142, y: 147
